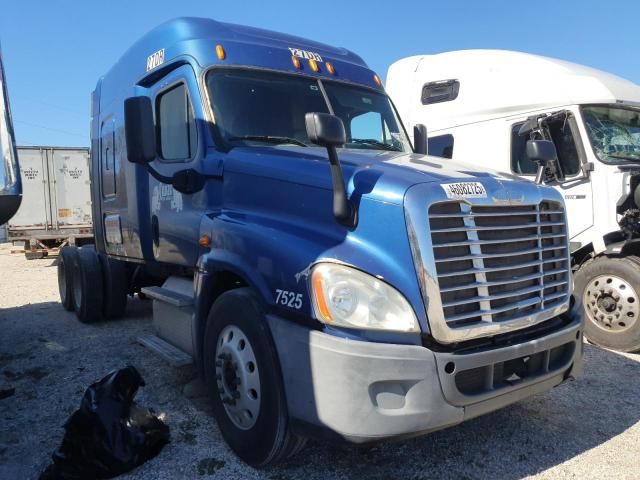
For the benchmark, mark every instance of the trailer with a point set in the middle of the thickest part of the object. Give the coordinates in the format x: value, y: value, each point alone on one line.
x: 57, y: 200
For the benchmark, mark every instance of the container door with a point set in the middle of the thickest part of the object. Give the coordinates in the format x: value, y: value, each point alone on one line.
x: 34, y: 212
x: 71, y: 189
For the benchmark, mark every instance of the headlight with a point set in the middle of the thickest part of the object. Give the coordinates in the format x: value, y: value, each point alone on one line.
x: 346, y: 297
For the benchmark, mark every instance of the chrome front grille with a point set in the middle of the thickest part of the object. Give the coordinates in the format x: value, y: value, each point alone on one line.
x: 499, y: 263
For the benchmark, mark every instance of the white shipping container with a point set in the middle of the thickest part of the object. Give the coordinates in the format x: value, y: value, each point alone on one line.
x: 56, y: 201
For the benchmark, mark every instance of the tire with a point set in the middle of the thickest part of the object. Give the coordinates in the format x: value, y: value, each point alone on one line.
x: 261, y: 437
x: 606, y: 292
x: 66, y: 260
x: 115, y: 285
x: 87, y: 286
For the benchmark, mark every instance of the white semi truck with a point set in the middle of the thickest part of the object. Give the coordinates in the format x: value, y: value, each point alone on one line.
x: 482, y: 106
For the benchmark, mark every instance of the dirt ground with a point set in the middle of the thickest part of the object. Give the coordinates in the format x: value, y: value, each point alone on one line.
x: 589, y: 428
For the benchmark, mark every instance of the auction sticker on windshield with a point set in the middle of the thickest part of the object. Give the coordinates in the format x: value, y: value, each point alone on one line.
x: 464, y: 190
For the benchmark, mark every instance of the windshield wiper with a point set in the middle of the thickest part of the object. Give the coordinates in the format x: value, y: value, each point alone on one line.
x: 377, y: 143
x: 627, y: 156
x: 271, y: 139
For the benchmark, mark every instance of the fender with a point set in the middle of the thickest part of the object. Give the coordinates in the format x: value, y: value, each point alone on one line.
x: 205, y: 287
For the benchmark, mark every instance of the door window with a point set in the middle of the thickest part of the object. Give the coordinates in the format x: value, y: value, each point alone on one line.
x: 177, y: 135
x: 558, y: 129
x: 441, y: 146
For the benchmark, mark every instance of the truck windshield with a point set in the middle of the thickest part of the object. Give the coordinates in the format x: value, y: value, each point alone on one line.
x: 614, y: 133
x: 258, y: 107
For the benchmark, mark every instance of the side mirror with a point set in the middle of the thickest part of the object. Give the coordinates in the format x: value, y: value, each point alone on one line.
x: 324, y: 129
x: 328, y: 131
x: 420, y: 142
x: 139, y: 130
x: 543, y: 153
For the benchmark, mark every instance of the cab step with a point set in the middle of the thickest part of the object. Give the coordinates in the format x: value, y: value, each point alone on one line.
x: 173, y: 306
x: 172, y: 355
x: 166, y: 295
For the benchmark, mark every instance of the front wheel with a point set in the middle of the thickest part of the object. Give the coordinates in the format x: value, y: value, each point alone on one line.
x: 606, y: 289
x: 243, y: 376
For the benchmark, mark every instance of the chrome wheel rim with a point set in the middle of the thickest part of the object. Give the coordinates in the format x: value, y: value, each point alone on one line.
x: 611, y: 303
x: 237, y: 377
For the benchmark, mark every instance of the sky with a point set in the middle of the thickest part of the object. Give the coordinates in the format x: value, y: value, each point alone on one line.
x: 55, y: 50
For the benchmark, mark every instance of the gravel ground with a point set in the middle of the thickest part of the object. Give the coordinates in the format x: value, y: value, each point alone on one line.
x: 584, y: 429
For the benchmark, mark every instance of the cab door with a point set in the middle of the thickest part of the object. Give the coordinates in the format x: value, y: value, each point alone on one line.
x: 174, y: 216
x: 562, y: 129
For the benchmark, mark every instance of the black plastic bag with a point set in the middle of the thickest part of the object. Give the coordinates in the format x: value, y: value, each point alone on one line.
x: 109, y: 434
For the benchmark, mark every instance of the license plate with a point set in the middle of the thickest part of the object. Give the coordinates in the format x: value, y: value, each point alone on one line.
x: 464, y: 190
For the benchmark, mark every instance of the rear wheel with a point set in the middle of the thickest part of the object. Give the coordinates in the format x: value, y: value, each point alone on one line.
x: 243, y: 376
x: 87, y: 286
x: 607, y: 290
x: 66, y: 261
x: 115, y: 282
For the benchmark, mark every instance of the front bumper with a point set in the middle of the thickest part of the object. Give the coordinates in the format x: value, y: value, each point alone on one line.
x: 364, y: 391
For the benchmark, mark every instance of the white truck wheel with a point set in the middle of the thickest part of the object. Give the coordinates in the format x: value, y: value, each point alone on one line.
x: 607, y: 289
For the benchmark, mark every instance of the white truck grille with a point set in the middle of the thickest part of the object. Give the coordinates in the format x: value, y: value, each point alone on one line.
x: 499, y: 263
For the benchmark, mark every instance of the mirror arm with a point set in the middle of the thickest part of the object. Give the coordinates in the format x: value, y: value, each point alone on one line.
x: 184, y: 181
x: 540, y: 173
x: 343, y: 209
x: 587, y: 168
x: 157, y: 175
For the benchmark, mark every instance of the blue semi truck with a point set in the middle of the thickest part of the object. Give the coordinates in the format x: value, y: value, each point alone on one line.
x: 327, y: 278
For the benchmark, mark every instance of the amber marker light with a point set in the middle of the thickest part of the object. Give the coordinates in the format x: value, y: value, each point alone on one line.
x: 296, y: 62
x: 314, y: 65
x: 205, y: 241
x: 321, y: 302
x: 220, y: 52
x: 330, y: 68
x: 376, y: 79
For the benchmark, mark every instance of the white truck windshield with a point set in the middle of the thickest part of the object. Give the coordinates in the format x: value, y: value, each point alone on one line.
x: 252, y: 106
x: 614, y: 133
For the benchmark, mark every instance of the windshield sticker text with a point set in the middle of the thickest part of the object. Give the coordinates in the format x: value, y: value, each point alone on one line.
x: 306, y: 54
x: 464, y: 190
x: 155, y: 59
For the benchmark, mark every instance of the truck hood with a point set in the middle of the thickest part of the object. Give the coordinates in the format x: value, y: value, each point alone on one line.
x: 376, y: 174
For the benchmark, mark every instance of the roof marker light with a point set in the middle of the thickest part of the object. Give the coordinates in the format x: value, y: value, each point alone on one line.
x: 220, y: 52
x: 296, y: 62
x: 314, y: 65
x: 376, y: 79
x: 330, y: 68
